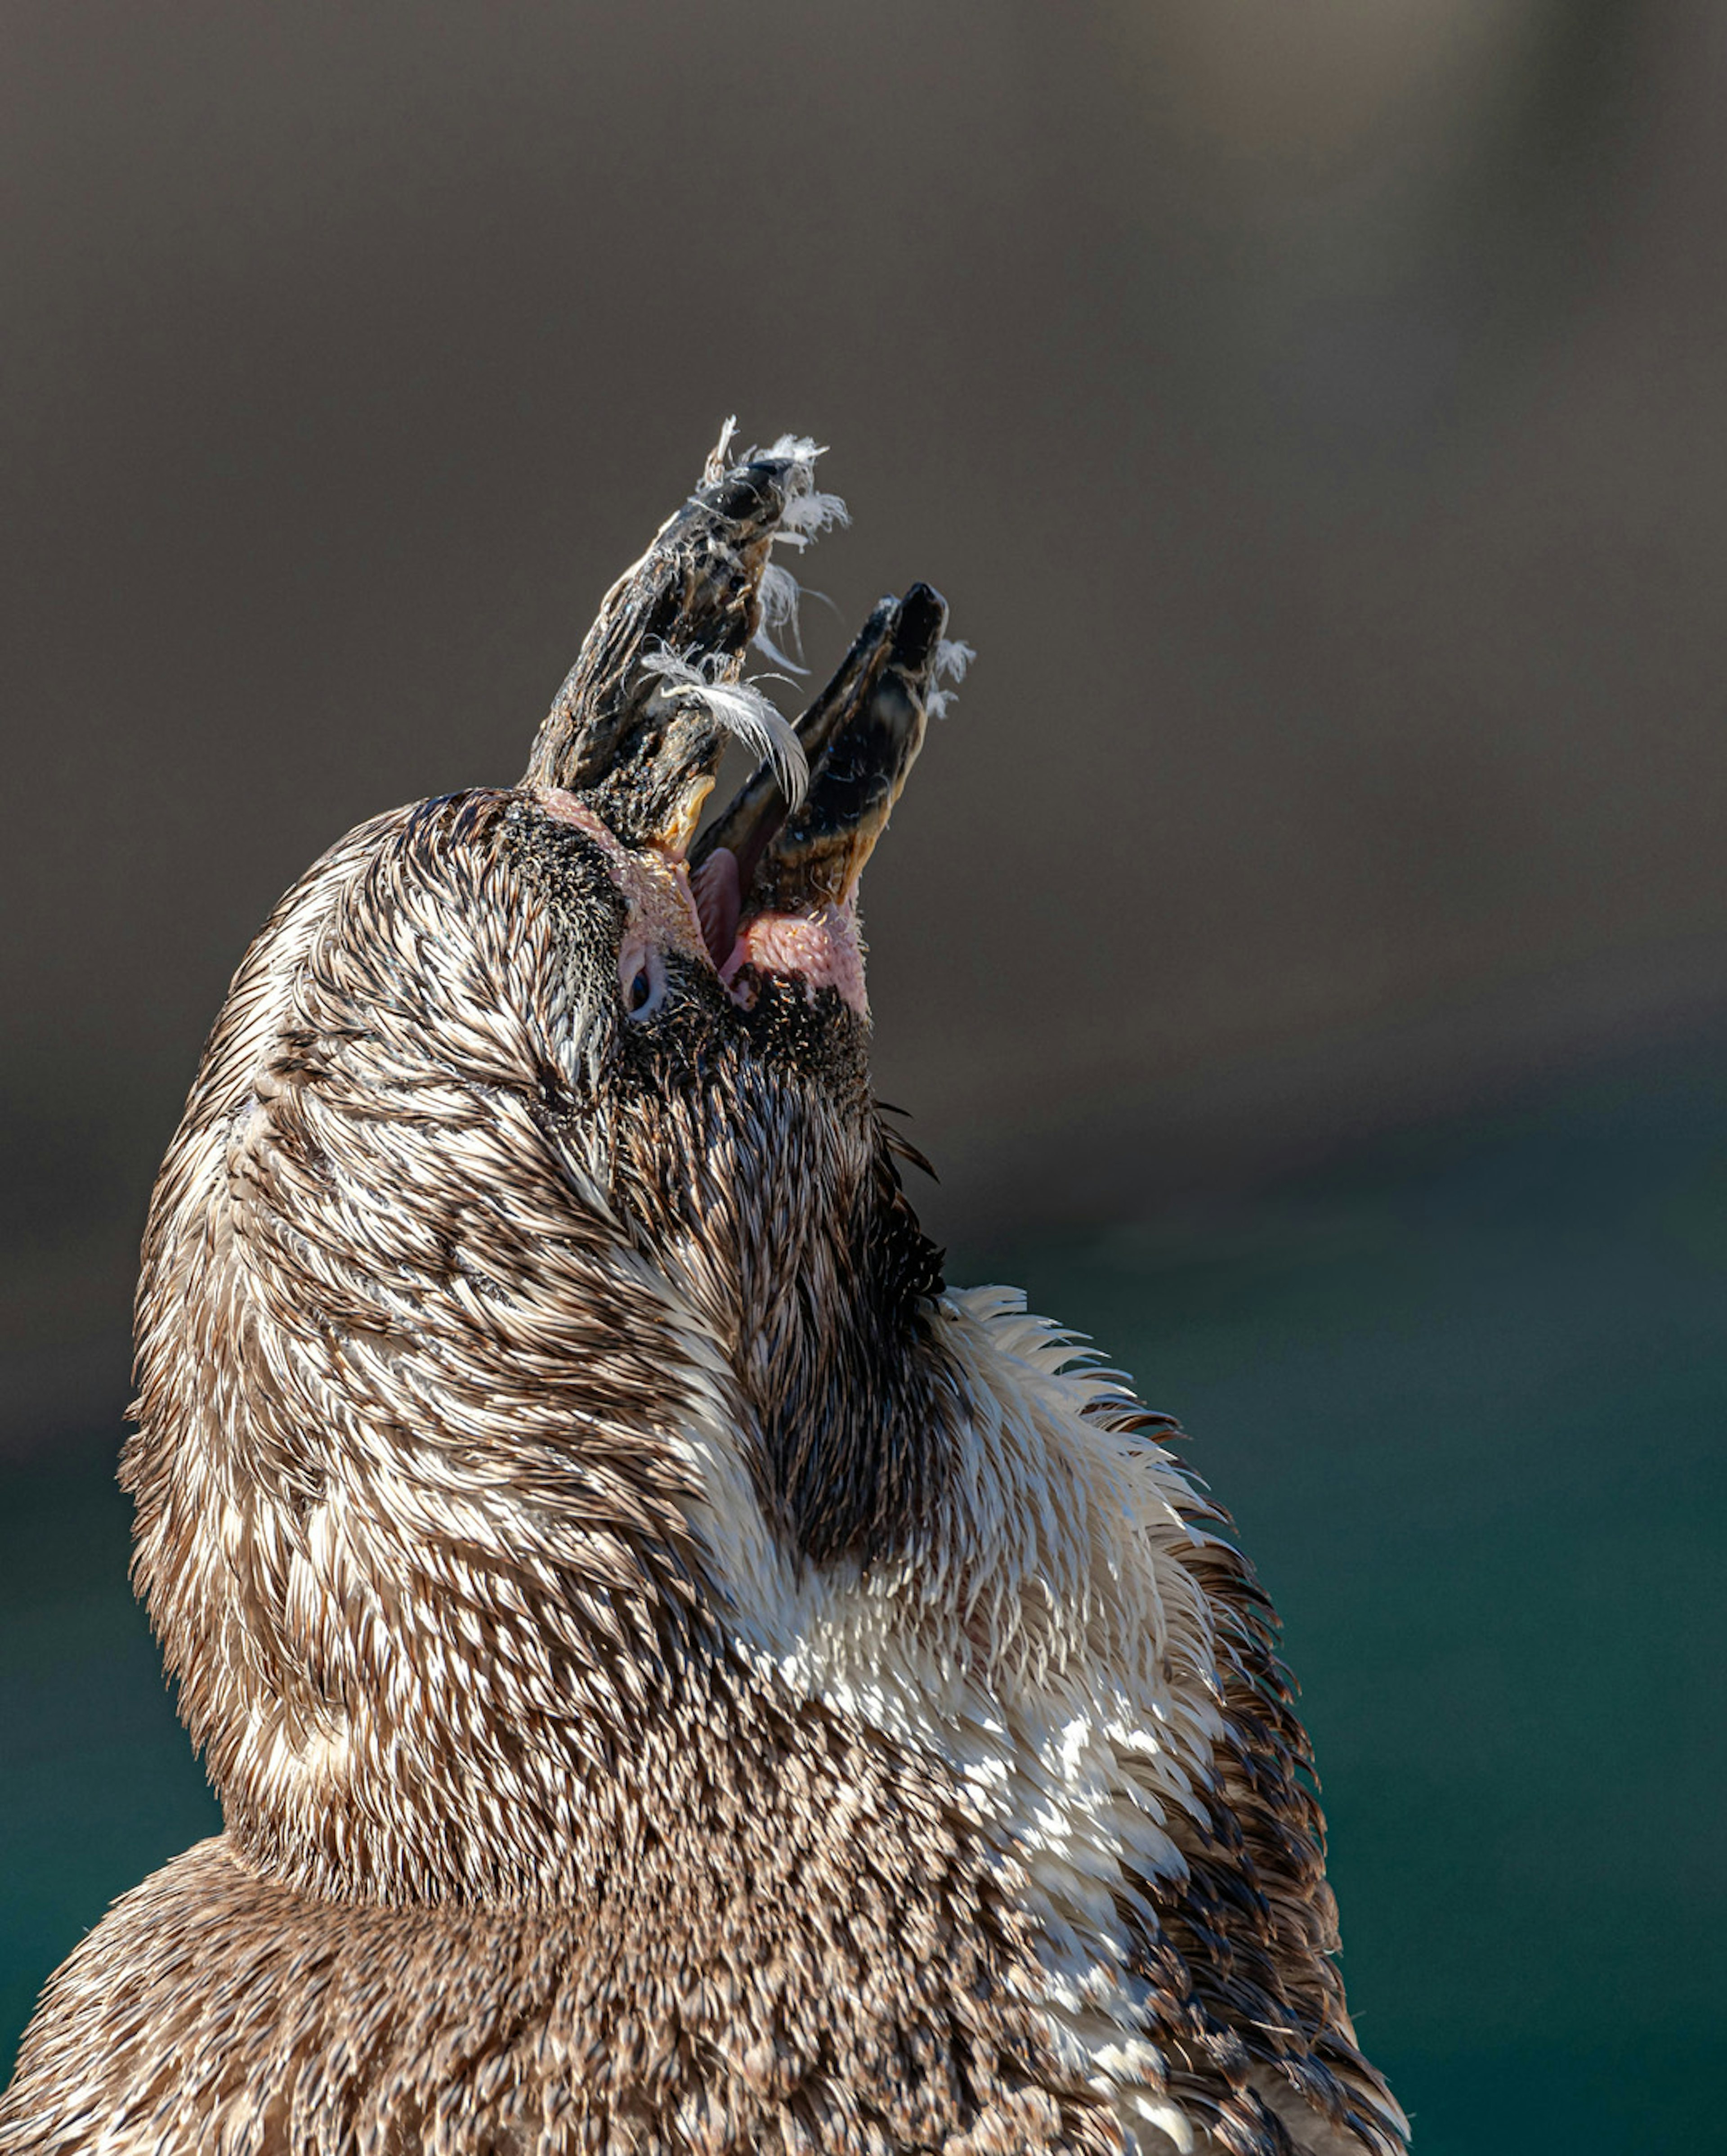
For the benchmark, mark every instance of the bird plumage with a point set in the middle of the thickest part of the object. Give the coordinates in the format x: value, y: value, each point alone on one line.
x: 678, y: 1677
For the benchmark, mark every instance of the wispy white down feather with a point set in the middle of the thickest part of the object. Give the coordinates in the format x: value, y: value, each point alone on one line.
x: 742, y: 710
x: 714, y: 470
x: 806, y: 513
x: 780, y: 592
x: 952, y: 660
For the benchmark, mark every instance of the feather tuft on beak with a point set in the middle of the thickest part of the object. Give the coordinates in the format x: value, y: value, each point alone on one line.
x: 642, y: 719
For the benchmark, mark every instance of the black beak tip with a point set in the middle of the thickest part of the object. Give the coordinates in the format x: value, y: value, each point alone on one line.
x: 749, y: 494
x: 923, y: 619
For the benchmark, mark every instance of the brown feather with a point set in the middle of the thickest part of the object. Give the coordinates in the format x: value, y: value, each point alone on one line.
x: 678, y: 1677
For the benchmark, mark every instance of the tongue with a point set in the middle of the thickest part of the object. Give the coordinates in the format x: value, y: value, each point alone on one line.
x: 719, y: 901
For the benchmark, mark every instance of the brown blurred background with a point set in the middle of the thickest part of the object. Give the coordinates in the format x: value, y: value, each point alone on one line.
x: 1315, y: 415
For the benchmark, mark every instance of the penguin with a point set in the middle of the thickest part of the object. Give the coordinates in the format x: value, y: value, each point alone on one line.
x: 680, y: 1677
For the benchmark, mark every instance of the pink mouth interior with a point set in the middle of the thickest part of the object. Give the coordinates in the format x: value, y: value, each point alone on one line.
x: 719, y: 901
x: 821, y: 948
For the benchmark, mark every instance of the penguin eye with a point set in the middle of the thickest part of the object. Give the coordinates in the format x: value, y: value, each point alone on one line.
x: 644, y: 976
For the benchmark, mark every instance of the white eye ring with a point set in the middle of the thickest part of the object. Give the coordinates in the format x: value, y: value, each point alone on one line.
x: 642, y: 975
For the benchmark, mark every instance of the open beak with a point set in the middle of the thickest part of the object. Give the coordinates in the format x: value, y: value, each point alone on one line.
x: 638, y: 729
x: 764, y: 857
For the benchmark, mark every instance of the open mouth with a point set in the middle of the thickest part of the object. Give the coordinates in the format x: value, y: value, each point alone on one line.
x: 638, y: 729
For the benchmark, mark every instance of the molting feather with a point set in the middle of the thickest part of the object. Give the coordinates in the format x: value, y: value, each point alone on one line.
x: 742, y: 710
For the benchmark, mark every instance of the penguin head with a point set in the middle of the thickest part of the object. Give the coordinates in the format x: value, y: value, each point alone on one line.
x: 532, y: 1256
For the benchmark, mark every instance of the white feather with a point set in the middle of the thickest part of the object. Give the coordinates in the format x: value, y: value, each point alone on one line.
x: 742, y: 710
x: 952, y: 660
x: 780, y: 594
x: 715, y: 469
x: 806, y: 513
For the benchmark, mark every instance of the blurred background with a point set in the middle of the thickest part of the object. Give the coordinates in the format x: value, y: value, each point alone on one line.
x: 1303, y: 948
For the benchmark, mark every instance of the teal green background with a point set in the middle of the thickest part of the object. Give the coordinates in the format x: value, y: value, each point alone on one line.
x: 1465, y: 1394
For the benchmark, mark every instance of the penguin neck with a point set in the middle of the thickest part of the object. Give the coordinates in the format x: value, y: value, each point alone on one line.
x: 795, y: 1250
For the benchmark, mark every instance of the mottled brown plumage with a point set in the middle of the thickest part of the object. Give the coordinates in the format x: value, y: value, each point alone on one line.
x: 678, y: 1677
